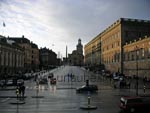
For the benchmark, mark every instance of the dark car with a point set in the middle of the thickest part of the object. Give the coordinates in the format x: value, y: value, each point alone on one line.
x: 87, y: 88
x: 43, y: 81
x: 10, y: 82
x: 2, y: 83
x: 51, y: 75
x: 132, y: 104
x: 53, y: 80
x: 20, y: 82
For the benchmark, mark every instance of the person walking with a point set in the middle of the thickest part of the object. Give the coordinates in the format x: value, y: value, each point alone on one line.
x: 23, y: 91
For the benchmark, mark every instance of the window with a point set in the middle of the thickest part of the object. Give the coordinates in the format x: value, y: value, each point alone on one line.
x: 118, y: 43
x: 126, y: 33
x: 128, y: 56
x: 143, y: 53
x: 137, y: 54
x: 132, y: 57
x: 118, y: 34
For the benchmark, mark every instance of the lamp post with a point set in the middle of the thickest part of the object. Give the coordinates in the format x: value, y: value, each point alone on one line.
x: 137, y: 82
x: 137, y: 77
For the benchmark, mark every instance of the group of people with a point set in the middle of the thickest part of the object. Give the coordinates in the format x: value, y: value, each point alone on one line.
x: 20, y: 91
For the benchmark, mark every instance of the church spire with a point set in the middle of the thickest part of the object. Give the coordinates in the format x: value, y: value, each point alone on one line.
x: 79, y: 47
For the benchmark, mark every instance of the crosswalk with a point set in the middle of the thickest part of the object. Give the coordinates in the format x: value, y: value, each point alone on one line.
x: 55, y: 87
x: 35, y: 87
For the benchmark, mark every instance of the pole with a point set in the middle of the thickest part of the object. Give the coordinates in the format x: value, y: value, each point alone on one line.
x: 144, y: 89
x: 137, y: 72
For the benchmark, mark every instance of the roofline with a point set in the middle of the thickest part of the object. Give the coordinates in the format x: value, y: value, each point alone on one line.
x: 115, y: 24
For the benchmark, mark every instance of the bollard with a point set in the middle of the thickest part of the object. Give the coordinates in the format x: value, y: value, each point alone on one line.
x: 144, y: 89
x: 89, y: 101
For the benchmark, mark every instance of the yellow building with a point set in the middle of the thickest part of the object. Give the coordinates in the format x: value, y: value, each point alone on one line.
x: 92, y: 52
x: 137, y: 57
x: 107, y: 47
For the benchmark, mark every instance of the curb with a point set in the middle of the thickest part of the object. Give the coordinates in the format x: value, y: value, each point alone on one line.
x: 11, y: 97
x: 88, y: 107
x: 18, y: 102
x: 37, y: 96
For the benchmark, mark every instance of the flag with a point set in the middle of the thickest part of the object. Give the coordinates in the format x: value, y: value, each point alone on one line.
x: 4, y: 24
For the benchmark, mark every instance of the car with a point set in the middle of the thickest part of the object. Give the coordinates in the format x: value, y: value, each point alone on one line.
x: 87, y: 88
x: 132, y: 104
x: 2, y: 83
x: 53, y: 80
x: 10, y: 82
x: 51, y: 75
x: 115, y: 77
x: 20, y: 82
x: 43, y: 81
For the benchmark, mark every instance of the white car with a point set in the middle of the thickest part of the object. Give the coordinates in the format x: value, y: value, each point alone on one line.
x: 20, y: 82
x: 9, y: 83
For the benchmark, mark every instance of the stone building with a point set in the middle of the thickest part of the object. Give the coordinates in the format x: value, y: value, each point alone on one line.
x: 35, y: 57
x: 11, y: 57
x: 137, y: 57
x: 92, y: 52
x: 107, y: 47
x: 76, y: 57
x: 31, y: 53
x: 48, y: 58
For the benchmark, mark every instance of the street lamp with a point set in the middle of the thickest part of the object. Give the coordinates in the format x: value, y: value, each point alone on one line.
x: 137, y: 83
x: 137, y: 77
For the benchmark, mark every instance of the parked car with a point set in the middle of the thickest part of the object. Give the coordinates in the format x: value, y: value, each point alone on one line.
x: 132, y: 104
x: 51, y: 75
x: 10, y: 82
x: 20, y: 82
x: 2, y: 83
x: 43, y: 81
x: 86, y: 88
x: 53, y: 80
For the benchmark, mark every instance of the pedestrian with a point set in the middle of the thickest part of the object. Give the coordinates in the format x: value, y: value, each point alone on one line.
x: 17, y: 92
x: 20, y: 92
x: 23, y: 90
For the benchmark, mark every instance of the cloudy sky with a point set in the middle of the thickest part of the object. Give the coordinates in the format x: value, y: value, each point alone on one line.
x: 57, y: 23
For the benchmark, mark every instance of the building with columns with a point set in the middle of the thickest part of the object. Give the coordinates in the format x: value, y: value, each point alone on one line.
x: 31, y: 53
x: 11, y: 57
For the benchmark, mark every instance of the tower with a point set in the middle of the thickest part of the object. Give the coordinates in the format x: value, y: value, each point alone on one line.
x: 79, y: 47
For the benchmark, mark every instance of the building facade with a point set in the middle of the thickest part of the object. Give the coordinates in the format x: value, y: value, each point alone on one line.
x: 35, y: 57
x: 107, y: 47
x: 31, y: 53
x: 11, y: 57
x: 48, y: 58
x: 137, y: 57
x: 76, y: 58
x: 92, y: 52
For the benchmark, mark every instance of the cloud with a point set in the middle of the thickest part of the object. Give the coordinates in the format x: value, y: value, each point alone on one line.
x: 63, y: 22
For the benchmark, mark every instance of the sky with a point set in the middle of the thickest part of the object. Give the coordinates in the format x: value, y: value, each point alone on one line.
x: 56, y: 24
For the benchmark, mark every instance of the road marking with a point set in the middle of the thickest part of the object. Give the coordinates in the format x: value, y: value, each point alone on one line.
x: 5, y: 100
